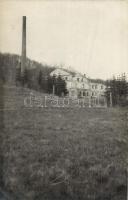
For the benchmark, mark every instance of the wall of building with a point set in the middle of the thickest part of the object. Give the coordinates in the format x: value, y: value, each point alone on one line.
x: 97, y: 89
x: 79, y: 86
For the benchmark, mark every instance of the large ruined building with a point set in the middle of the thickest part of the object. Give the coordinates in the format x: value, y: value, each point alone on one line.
x: 78, y: 85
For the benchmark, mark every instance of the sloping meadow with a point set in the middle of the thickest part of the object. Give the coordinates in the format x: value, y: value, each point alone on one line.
x: 65, y: 153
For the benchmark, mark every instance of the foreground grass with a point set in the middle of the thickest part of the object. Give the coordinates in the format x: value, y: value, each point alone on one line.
x: 65, y: 153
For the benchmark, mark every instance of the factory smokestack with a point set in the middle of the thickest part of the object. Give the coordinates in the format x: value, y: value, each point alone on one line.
x: 23, y: 55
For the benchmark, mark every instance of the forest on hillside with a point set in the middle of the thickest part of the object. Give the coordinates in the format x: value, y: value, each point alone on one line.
x: 10, y: 63
x: 36, y: 75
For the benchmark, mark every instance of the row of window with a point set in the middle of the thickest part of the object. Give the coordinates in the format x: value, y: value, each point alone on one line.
x: 93, y: 86
x: 78, y: 79
x: 87, y: 94
x: 96, y: 86
x: 83, y: 93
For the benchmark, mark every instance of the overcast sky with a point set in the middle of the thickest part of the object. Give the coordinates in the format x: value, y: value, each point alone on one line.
x: 89, y: 36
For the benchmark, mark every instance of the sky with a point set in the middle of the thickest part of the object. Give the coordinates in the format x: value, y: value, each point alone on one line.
x: 89, y: 36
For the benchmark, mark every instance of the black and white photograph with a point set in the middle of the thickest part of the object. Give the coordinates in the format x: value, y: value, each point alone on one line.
x: 64, y: 100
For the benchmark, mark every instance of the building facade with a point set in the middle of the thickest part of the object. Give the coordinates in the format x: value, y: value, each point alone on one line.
x: 78, y: 85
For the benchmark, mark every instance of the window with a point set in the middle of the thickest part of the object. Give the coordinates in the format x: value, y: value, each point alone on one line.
x: 95, y: 86
x: 72, y: 92
x: 92, y: 86
x: 66, y: 78
x: 83, y: 85
x: 78, y: 79
x: 83, y: 93
x: 101, y: 87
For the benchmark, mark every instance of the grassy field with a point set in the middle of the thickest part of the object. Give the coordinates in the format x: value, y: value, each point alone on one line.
x: 64, y: 153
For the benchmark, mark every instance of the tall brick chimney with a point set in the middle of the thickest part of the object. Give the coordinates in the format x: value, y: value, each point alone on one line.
x: 23, y: 55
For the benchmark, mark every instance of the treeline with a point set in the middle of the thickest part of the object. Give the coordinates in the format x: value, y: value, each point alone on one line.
x: 36, y: 75
x: 47, y: 84
x: 52, y: 84
x: 117, y: 91
x: 10, y: 64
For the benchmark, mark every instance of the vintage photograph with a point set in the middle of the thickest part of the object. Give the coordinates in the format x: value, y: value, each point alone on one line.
x: 63, y: 100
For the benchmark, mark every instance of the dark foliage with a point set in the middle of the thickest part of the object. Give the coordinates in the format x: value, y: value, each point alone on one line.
x: 10, y: 71
x: 18, y: 75
x: 60, y: 86
x: 117, y: 91
x: 36, y: 75
x: 52, y: 84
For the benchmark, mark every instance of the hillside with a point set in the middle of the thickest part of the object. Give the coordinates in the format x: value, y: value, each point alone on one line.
x: 9, y: 63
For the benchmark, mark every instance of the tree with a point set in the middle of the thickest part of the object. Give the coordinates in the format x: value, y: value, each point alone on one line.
x: 117, y: 89
x: 40, y: 79
x: 18, y: 73
x: 60, y: 86
x: 50, y: 82
x: 25, y: 77
x: 44, y: 83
